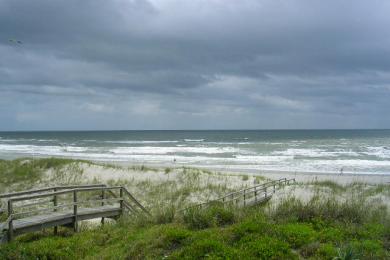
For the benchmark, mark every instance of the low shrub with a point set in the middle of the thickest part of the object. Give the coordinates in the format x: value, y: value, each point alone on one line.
x: 252, y: 226
x: 369, y: 249
x: 296, y: 235
x: 206, y: 248
x: 331, y: 234
x: 266, y: 248
x: 326, y: 251
x: 335, y: 187
x: 310, y: 250
x: 196, y: 219
x: 355, y: 210
x: 347, y: 253
x: 164, y: 214
x: 221, y: 215
x: 216, y: 215
x: 174, y: 236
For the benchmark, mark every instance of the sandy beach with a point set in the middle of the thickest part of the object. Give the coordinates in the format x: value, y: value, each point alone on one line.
x: 305, y: 177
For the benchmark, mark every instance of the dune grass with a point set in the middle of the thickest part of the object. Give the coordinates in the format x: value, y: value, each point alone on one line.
x: 323, y: 227
x: 217, y: 232
x: 25, y: 172
x: 335, y: 187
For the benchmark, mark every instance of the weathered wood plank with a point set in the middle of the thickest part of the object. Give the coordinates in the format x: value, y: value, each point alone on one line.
x: 50, y: 194
x: 83, y: 214
x: 21, y: 193
x: 56, y: 214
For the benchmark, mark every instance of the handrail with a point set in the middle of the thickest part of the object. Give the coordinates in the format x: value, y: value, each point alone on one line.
x: 50, y: 209
x: 129, y: 207
x: 136, y: 201
x: 67, y: 191
x: 61, y: 192
x: 244, y: 192
x: 35, y: 203
x: 263, y: 187
x: 133, y: 199
x: 253, y: 187
x: 39, y: 199
x: 20, y: 193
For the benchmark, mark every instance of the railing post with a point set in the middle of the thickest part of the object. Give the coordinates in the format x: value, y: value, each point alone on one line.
x: 55, y: 209
x: 256, y: 195
x: 121, y: 198
x: 10, y: 223
x: 274, y: 187
x: 265, y: 191
x: 75, y: 225
x: 103, y: 198
x: 244, y: 198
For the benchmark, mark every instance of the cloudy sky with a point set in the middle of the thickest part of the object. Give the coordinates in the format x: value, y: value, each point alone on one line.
x: 194, y: 64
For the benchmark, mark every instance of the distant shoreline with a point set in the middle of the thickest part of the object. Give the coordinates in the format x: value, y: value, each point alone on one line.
x: 313, y: 152
x: 241, y: 170
x: 345, y: 178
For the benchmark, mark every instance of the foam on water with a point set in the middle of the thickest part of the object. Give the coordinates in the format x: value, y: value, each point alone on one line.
x: 142, y: 142
x: 171, y: 150
x: 324, y: 151
x: 381, y: 151
x: 315, y: 152
x: 194, y: 140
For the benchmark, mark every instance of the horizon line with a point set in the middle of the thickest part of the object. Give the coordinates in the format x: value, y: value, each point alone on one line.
x: 233, y: 129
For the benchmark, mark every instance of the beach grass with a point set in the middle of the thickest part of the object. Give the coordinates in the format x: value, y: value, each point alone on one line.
x: 24, y: 173
x: 335, y: 222
x: 222, y: 233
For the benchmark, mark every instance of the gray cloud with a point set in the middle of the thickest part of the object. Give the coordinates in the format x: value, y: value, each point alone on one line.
x: 133, y: 64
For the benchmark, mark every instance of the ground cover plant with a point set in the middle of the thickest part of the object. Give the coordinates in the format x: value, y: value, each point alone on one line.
x: 348, y: 224
x: 222, y: 233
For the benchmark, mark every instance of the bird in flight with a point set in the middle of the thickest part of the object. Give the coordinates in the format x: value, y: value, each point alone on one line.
x: 15, y: 41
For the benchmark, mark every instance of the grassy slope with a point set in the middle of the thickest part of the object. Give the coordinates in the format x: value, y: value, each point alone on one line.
x: 23, y: 173
x: 289, y: 231
x: 320, y: 228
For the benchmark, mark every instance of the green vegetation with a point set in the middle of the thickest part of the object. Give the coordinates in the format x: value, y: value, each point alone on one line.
x: 167, y: 170
x: 335, y: 187
x: 179, y: 188
x: 142, y: 167
x: 336, y: 222
x: 25, y: 172
x: 223, y: 233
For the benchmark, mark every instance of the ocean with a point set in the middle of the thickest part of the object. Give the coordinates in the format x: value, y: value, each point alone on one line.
x: 322, y: 151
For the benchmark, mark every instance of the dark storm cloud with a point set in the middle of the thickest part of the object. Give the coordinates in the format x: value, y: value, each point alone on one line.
x: 194, y: 64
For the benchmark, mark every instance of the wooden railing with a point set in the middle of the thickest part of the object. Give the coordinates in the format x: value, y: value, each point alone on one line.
x: 47, y: 189
x: 73, y: 198
x: 253, y: 194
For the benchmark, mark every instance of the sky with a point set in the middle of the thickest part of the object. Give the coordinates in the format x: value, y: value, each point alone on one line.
x: 194, y: 64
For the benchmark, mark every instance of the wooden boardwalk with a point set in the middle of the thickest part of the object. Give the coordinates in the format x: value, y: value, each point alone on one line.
x: 34, y: 210
x: 249, y: 196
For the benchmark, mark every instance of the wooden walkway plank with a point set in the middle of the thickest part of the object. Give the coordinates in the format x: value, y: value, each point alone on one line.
x: 56, y: 214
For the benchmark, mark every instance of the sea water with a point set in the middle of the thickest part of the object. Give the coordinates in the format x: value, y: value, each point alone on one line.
x: 325, y: 151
